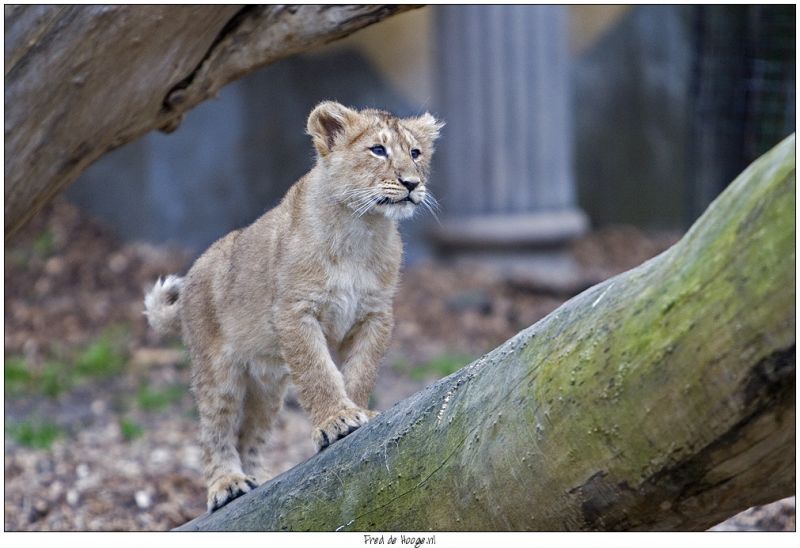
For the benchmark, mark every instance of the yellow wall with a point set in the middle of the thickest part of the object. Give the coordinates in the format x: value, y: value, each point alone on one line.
x: 401, y: 47
x: 587, y: 24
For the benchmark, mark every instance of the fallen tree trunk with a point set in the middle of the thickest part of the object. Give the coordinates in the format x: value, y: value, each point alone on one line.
x: 82, y: 80
x: 661, y: 399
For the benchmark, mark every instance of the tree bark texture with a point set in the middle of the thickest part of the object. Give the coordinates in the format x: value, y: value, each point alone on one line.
x: 82, y: 80
x: 661, y: 399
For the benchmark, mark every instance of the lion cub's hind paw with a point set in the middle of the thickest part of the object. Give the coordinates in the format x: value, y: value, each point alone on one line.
x: 227, y: 488
x: 340, y: 425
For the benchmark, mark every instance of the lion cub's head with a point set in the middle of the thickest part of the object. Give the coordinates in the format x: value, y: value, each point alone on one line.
x: 376, y: 163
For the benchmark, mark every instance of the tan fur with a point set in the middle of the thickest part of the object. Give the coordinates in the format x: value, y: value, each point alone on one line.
x: 312, y: 278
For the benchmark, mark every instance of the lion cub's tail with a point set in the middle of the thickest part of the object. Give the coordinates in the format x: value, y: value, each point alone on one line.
x: 162, y: 304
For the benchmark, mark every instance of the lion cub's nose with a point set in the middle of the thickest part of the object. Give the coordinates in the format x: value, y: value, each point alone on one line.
x: 410, y: 184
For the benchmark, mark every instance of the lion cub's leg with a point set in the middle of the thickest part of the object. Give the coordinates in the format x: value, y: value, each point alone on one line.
x: 362, y: 350
x: 266, y: 388
x: 219, y: 387
x: 319, y: 383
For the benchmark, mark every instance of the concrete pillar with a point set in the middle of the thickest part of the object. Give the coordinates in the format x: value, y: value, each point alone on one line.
x: 505, y: 173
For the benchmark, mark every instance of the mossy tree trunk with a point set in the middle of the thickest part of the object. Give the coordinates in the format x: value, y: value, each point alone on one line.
x: 82, y: 80
x: 661, y: 399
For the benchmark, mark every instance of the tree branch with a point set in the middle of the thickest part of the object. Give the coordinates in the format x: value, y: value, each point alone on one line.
x: 82, y: 80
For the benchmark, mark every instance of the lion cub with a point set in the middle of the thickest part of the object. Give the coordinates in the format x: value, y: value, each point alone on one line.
x: 316, y: 274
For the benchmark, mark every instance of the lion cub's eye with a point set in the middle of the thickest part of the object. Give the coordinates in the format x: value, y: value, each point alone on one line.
x: 415, y: 153
x: 378, y: 150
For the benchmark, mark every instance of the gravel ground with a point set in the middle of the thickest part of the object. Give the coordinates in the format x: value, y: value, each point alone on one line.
x: 101, y: 432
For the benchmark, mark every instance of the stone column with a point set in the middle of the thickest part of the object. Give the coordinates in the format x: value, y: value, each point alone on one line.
x: 505, y: 172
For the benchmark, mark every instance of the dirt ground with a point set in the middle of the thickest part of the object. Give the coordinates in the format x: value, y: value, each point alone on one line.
x: 101, y: 431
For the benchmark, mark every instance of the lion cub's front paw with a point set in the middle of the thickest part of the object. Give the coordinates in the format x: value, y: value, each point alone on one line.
x: 227, y: 488
x: 337, y: 426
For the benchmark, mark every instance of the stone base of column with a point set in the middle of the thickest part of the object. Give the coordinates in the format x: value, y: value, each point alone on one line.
x: 528, y: 249
x: 509, y: 230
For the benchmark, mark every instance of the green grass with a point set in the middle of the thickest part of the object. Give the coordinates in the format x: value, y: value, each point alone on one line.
x: 157, y: 399
x: 54, y: 379
x: 130, y: 429
x: 102, y: 358
x: 35, y: 433
x: 44, y: 244
x: 41, y: 247
x: 51, y: 380
x: 16, y: 376
x: 439, y: 367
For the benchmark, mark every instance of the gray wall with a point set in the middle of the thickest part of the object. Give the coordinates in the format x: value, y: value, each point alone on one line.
x: 631, y: 115
x: 232, y: 158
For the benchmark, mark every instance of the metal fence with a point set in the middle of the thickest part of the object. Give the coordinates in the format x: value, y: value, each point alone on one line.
x: 742, y: 92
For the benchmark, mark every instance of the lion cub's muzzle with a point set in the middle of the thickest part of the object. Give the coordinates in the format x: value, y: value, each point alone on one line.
x: 410, y: 184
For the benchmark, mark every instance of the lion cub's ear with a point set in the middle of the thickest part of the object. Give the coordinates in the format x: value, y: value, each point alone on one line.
x: 327, y: 121
x: 427, y: 126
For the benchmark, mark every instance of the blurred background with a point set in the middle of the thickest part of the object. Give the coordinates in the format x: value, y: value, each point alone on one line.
x: 580, y: 141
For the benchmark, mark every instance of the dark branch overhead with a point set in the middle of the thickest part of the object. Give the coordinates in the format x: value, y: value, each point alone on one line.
x: 83, y: 80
